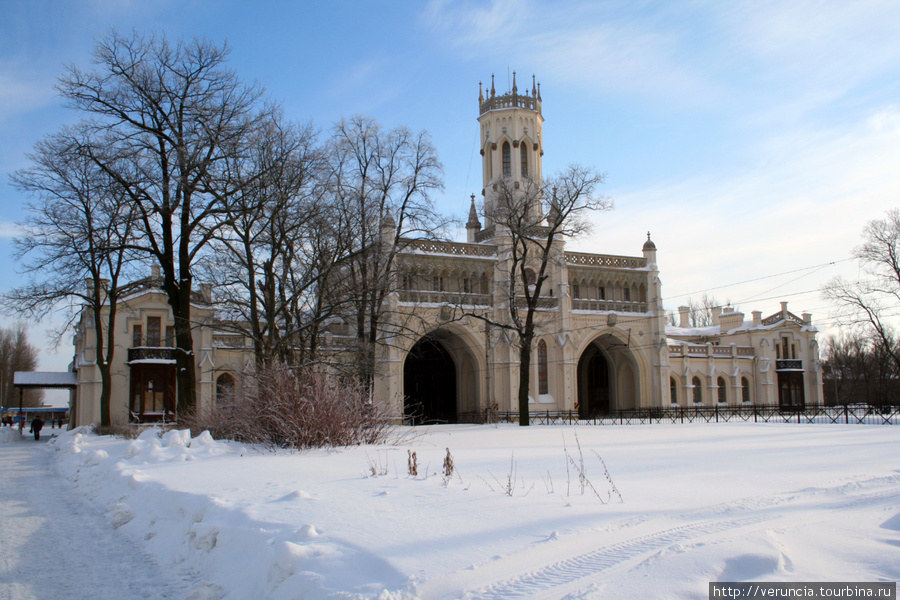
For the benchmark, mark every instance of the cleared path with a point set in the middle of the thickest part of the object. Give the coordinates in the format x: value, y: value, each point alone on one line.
x: 55, y: 545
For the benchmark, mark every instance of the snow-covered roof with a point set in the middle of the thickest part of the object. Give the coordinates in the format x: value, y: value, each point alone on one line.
x: 45, y: 379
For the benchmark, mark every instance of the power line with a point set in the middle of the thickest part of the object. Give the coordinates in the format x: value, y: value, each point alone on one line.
x: 762, y: 278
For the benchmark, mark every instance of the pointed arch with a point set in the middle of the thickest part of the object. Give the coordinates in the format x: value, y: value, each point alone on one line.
x: 507, y: 159
x: 543, y: 369
x: 523, y: 159
x: 697, y: 389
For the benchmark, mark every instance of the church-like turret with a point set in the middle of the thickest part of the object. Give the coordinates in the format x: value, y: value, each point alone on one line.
x: 511, y: 127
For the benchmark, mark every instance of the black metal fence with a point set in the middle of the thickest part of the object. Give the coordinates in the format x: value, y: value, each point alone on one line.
x: 853, y: 414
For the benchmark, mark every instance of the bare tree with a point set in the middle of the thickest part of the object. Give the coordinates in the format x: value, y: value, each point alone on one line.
x: 176, y: 123
x: 532, y: 240
x: 267, y: 264
x: 380, y: 181
x: 872, y: 301
x: 75, y: 244
x: 701, y: 311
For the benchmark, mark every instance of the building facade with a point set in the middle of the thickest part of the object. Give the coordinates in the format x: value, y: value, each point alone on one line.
x: 603, y: 343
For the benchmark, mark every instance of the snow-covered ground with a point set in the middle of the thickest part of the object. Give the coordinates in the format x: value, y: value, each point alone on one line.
x: 699, y: 503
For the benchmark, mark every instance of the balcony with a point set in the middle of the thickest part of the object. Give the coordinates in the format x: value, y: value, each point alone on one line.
x: 788, y: 365
x: 151, y: 354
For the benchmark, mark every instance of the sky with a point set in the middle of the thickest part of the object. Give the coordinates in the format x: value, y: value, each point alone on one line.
x: 753, y: 140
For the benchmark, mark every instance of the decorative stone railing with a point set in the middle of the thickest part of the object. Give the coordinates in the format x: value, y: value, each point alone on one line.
x: 546, y: 303
x: 451, y: 248
x: 708, y: 350
x: 452, y: 298
x: 778, y: 317
x: 608, y: 305
x: 580, y: 259
x: 511, y: 101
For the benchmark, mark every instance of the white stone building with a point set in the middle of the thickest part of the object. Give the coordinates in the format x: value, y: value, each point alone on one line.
x: 603, y: 344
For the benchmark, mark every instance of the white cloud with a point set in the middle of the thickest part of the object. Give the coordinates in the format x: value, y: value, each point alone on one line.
x: 805, y: 208
x: 9, y: 230
x: 576, y: 42
x: 22, y: 91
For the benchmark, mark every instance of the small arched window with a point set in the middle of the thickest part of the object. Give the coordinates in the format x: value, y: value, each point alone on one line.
x: 697, y: 390
x: 745, y: 390
x: 507, y: 160
x: 523, y: 152
x: 224, y: 390
x: 723, y: 397
x: 543, y: 376
x: 673, y: 390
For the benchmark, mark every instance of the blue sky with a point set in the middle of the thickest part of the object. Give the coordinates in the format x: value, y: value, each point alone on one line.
x: 751, y: 138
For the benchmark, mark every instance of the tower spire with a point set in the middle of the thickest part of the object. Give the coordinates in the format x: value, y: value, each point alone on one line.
x: 480, y: 95
x: 474, y: 225
x: 493, y: 91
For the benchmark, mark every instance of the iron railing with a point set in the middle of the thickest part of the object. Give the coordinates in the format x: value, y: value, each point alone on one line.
x: 853, y: 414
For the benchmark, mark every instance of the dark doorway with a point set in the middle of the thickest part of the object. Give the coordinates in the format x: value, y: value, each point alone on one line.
x: 429, y: 383
x: 790, y: 390
x: 593, y: 389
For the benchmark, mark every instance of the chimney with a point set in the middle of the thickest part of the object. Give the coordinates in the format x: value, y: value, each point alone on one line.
x: 716, y: 313
x: 154, y: 271
x: 757, y: 318
x: 683, y: 316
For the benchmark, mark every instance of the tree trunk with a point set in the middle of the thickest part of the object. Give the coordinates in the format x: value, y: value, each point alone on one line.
x: 524, y: 378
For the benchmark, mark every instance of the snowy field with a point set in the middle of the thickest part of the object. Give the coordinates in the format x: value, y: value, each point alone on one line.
x: 515, y: 519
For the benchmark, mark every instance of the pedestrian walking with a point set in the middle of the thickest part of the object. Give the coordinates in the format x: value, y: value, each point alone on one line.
x: 36, y: 425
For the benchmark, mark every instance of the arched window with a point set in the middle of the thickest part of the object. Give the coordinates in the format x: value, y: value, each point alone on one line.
x: 745, y: 390
x: 673, y: 390
x: 723, y: 397
x: 507, y: 160
x: 523, y: 152
x: 530, y: 277
x: 543, y: 377
x: 224, y: 391
x: 697, y: 390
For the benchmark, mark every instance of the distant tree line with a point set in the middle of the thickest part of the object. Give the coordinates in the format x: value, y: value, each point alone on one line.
x: 857, y: 368
x: 862, y: 364
x: 17, y: 354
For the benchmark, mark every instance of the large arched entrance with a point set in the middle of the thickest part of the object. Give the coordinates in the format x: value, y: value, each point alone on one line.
x: 607, y: 378
x: 440, y: 380
x: 593, y: 383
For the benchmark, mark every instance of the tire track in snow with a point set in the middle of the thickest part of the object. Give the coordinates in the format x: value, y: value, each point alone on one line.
x: 573, y: 569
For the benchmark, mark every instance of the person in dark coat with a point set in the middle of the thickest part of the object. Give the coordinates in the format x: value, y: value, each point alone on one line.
x: 36, y: 426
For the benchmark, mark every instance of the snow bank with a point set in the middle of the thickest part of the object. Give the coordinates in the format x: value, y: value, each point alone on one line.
x: 10, y: 434
x: 530, y: 512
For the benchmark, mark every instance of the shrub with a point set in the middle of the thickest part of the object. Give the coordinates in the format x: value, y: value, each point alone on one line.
x: 295, y: 408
